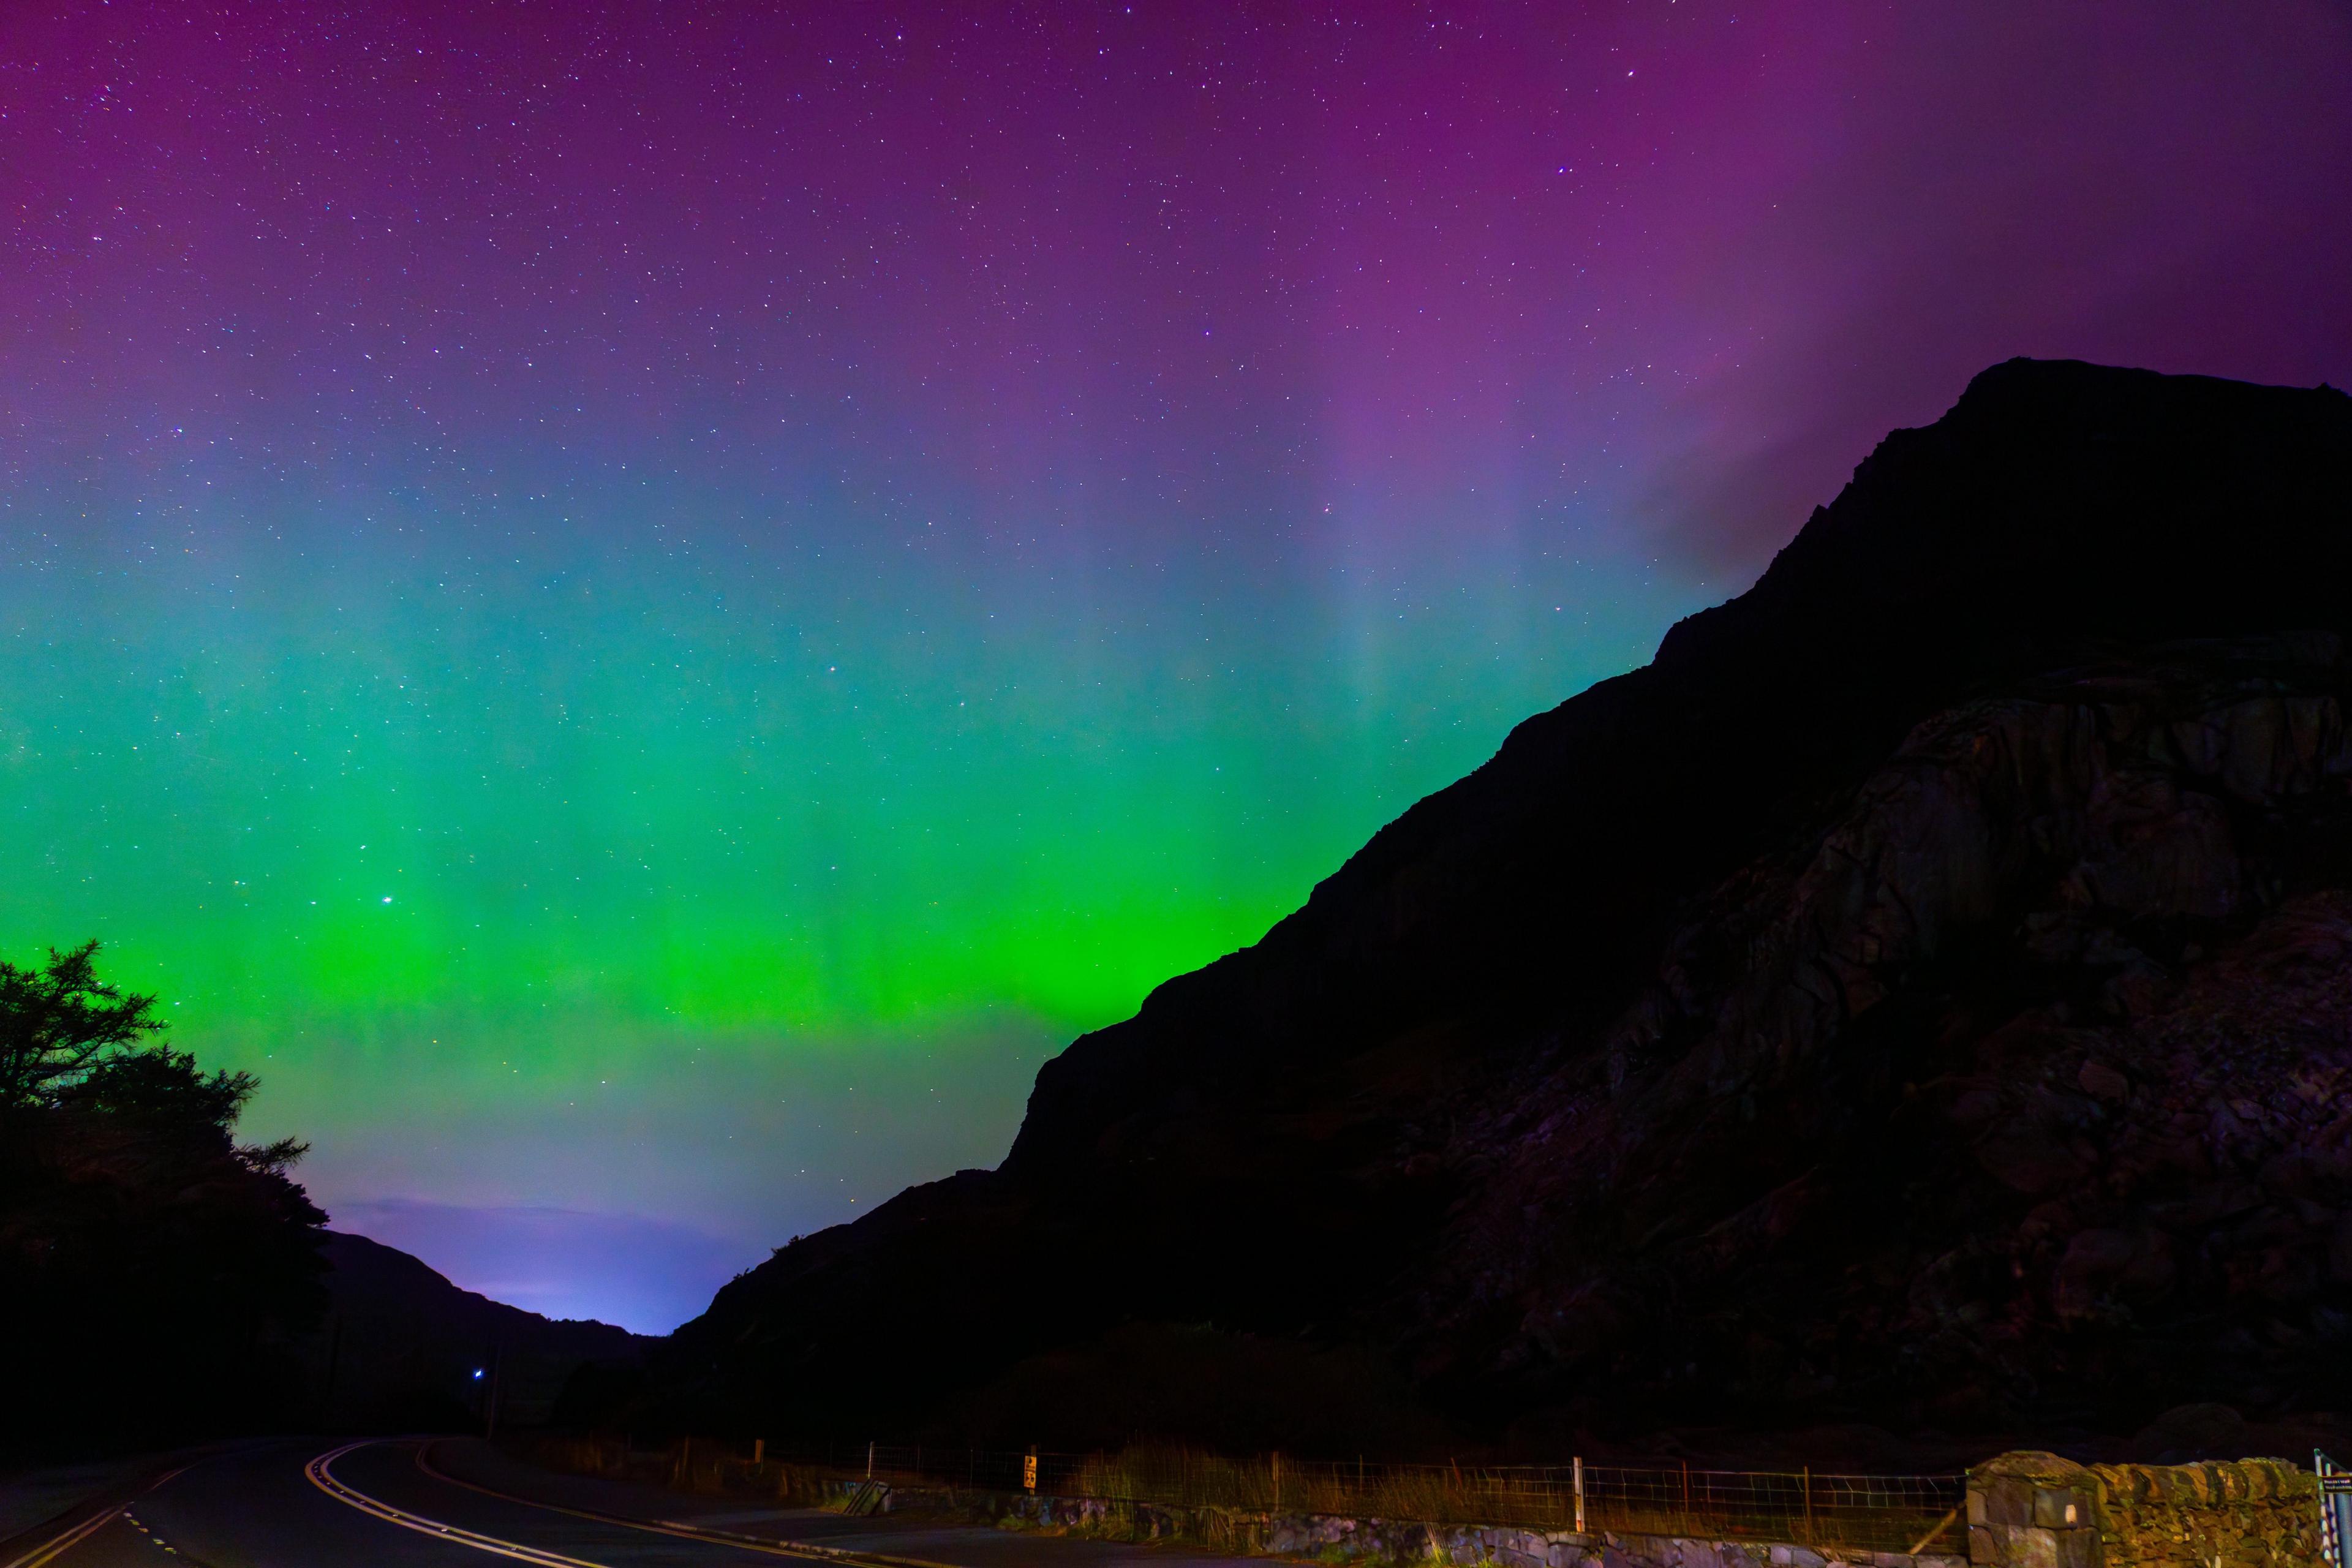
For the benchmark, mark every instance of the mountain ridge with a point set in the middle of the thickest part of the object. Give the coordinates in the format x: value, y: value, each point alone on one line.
x: 1274, y: 1143
x: 403, y: 1341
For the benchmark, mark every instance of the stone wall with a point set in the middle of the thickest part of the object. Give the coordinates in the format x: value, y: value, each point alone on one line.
x: 2038, y: 1511
x: 1334, y: 1537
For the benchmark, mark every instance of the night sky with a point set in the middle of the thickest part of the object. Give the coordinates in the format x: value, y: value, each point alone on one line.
x: 644, y: 607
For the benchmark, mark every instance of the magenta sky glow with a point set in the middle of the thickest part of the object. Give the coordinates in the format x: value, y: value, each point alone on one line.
x: 1196, y: 431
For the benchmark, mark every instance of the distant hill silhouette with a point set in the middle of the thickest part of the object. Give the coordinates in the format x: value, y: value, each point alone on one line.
x: 1921, y: 995
x: 400, y: 1346
x: 161, y: 1282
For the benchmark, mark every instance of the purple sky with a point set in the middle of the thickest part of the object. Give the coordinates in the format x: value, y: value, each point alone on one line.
x: 1121, y: 454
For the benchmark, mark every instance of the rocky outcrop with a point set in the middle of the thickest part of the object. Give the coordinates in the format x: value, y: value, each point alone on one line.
x: 2025, y: 1083
x: 1909, y: 998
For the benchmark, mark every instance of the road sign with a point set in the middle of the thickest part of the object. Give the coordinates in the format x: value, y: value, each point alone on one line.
x: 2335, y: 1510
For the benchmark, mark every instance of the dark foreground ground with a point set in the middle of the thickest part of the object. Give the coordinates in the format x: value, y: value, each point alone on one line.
x: 408, y: 1503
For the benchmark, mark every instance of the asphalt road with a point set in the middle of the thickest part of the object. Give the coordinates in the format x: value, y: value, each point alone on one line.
x: 403, y: 1503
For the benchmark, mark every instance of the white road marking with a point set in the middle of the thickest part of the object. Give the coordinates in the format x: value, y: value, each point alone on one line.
x: 324, y: 1480
x: 805, y: 1550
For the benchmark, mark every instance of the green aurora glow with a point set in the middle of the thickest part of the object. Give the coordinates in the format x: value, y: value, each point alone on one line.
x: 644, y: 608
x: 443, y: 850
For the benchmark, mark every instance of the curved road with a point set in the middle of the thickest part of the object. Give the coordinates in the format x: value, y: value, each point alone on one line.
x: 284, y: 1506
x: 444, y: 1503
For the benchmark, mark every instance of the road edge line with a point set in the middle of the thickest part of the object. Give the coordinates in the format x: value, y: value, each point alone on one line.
x: 323, y: 1477
x: 780, y: 1548
x: 73, y: 1535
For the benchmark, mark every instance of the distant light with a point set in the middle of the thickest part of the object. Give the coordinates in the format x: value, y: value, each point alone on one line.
x: 478, y: 1371
x: 387, y: 897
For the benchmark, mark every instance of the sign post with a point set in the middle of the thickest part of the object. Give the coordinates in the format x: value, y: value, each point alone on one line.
x: 2335, y: 1510
x: 1029, y: 1471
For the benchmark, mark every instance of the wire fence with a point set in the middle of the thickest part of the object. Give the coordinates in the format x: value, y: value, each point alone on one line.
x: 1850, y: 1512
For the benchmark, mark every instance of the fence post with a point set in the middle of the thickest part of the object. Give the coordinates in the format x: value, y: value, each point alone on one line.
x: 869, y: 1461
x: 1578, y: 1463
x: 1277, y: 1480
x: 759, y: 1450
x: 1806, y: 1476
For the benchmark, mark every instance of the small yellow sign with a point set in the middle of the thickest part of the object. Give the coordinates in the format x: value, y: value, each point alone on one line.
x: 1029, y: 1472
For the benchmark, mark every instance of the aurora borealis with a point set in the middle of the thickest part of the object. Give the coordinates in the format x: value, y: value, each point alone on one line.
x: 642, y: 607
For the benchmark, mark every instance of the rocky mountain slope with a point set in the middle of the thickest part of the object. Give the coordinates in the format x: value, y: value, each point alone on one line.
x: 1919, y: 995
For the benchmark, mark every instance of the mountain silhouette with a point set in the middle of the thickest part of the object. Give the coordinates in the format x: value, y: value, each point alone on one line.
x: 1920, y: 996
